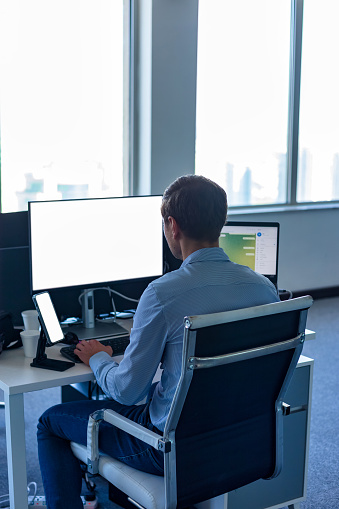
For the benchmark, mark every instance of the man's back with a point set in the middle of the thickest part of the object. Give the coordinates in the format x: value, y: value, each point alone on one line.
x: 207, y: 282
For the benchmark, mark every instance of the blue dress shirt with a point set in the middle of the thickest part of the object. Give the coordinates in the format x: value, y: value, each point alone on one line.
x: 206, y: 282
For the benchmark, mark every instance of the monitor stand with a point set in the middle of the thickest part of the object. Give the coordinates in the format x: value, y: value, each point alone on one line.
x: 90, y: 328
x: 99, y: 331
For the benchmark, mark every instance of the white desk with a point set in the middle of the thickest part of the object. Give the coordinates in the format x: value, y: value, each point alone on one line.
x: 16, y: 378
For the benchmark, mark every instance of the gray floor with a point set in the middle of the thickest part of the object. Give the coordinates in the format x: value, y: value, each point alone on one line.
x: 323, y: 474
x: 35, y: 404
x: 323, y: 477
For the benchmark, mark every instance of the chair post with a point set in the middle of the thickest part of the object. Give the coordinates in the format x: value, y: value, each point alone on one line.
x: 170, y: 475
x: 93, y: 441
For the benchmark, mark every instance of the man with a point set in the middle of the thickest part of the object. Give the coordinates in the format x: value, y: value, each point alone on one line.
x: 194, y: 210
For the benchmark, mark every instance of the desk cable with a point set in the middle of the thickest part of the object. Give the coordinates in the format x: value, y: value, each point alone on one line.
x: 110, y: 291
x: 290, y: 294
x: 4, y: 499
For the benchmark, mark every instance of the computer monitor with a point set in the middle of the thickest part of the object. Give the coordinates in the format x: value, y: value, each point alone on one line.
x: 254, y: 244
x: 81, y: 243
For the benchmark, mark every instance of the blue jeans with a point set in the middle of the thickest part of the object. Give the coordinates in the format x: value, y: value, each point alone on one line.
x: 67, y: 422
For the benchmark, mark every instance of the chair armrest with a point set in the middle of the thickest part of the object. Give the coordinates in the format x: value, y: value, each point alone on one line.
x: 133, y: 428
x: 123, y: 423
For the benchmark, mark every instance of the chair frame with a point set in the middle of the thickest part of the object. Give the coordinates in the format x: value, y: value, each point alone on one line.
x: 167, y: 442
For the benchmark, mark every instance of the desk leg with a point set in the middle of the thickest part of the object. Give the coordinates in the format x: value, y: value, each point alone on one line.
x: 16, y: 450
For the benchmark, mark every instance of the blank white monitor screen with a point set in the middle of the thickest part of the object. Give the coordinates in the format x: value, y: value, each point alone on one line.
x: 91, y: 241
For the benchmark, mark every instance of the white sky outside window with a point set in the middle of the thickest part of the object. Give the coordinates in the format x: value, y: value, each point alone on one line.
x: 242, y: 97
x: 318, y: 169
x: 61, y: 70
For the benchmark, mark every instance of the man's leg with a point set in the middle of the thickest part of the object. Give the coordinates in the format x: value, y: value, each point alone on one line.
x: 61, y: 424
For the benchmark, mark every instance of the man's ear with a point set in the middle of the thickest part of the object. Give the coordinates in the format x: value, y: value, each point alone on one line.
x: 174, y: 227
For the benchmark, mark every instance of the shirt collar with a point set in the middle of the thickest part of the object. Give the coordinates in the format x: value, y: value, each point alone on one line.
x: 210, y: 253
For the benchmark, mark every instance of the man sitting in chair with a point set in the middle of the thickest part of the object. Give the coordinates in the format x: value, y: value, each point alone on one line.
x: 194, y: 210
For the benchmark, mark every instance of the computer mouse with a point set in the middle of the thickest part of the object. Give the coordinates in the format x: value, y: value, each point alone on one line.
x: 71, y: 338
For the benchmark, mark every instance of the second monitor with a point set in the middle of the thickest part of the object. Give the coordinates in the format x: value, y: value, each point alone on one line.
x: 253, y: 244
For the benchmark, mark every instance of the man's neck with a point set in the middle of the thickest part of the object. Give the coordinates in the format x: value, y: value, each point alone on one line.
x: 189, y: 246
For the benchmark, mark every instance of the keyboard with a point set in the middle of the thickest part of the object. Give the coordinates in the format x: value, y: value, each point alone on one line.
x: 118, y: 345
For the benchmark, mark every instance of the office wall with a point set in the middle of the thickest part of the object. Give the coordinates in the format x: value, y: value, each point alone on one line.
x: 165, y: 87
x: 309, y: 246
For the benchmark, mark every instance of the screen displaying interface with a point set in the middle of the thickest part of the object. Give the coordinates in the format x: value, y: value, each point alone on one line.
x: 48, y: 317
x: 252, y: 244
x: 83, y: 242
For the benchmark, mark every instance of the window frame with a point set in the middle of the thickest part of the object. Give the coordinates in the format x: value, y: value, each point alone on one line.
x: 128, y: 91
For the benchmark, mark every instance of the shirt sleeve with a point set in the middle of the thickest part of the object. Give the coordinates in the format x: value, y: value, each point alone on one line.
x: 129, y: 382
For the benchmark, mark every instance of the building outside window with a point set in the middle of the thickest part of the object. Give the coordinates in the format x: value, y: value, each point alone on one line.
x: 318, y: 168
x: 62, y: 94
x: 242, y: 98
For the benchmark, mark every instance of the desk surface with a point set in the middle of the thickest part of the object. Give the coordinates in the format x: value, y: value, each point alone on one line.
x: 17, y: 376
x: 309, y: 334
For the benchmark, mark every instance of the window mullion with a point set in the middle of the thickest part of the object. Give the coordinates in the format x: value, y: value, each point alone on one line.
x: 129, y: 94
x: 294, y: 99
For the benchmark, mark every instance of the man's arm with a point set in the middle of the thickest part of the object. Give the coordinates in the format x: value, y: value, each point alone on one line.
x: 129, y: 381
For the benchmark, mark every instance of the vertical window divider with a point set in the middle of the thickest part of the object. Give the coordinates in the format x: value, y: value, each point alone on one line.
x: 297, y: 8
x: 129, y: 104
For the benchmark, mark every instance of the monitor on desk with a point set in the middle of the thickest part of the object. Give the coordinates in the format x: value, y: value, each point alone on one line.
x: 254, y: 244
x: 87, y: 242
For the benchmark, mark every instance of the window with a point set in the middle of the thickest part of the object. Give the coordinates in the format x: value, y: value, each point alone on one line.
x: 242, y: 98
x: 318, y: 168
x: 62, y: 93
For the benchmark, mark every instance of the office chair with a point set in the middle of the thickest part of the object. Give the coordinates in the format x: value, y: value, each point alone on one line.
x: 224, y: 428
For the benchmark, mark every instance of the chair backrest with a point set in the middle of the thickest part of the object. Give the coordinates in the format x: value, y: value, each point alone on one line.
x: 225, y: 419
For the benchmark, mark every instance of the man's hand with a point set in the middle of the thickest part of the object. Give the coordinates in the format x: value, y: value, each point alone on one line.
x: 85, y: 349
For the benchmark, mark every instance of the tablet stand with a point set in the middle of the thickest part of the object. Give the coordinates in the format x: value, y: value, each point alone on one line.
x: 41, y: 361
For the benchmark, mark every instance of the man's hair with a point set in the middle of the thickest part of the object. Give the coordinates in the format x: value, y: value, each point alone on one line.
x: 198, y: 205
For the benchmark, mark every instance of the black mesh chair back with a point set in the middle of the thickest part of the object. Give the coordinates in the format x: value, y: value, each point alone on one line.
x: 225, y: 420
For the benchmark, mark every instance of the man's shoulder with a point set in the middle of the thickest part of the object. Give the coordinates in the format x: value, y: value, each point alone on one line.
x: 244, y: 274
x: 167, y: 280
x: 208, y: 273
x: 169, y: 285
